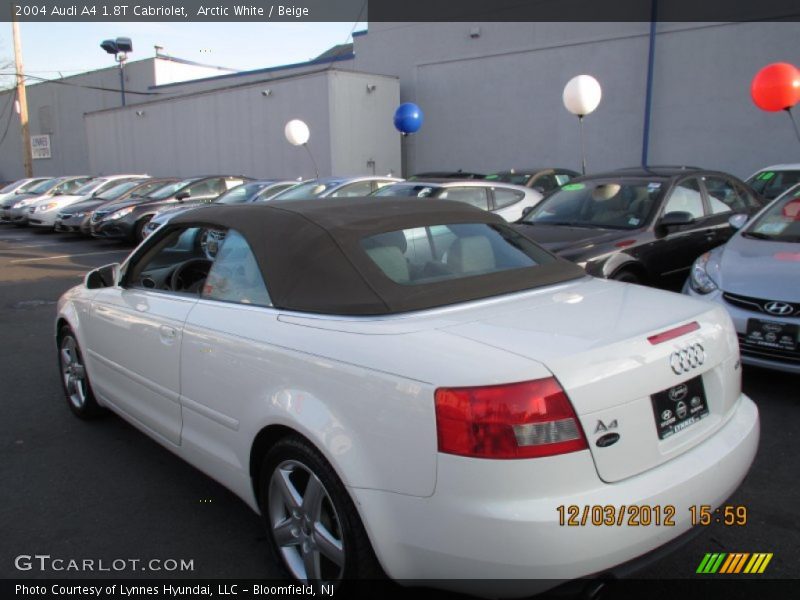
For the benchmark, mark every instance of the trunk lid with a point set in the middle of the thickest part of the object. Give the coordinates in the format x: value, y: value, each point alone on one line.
x: 593, y: 336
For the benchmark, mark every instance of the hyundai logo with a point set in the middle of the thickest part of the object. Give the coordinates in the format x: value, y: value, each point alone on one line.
x: 678, y: 392
x: 778, y: 308
x: 686, y: 359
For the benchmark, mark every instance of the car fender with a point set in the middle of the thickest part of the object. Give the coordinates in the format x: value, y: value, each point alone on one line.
x: 619, y: 261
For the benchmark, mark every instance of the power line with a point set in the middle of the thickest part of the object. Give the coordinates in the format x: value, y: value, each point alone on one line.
x: 88, y: 87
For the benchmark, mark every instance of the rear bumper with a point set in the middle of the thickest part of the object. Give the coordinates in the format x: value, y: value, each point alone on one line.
x: 499, y: 520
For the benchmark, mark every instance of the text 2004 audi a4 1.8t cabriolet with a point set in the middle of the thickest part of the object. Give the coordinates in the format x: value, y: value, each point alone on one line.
x: 413, y: 381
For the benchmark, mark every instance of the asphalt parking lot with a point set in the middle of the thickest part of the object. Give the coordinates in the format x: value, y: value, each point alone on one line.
x: 103, y: 490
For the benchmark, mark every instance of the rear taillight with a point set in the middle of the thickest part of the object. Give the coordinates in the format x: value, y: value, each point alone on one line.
x: 671, y: 334
x: 519, y: 420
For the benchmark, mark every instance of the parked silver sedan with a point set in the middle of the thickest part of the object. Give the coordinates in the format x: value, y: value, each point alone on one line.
x: 504, y: 199
x: 755, y: 276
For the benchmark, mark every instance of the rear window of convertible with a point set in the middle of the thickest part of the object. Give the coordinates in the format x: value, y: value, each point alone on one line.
x: 446, y: 252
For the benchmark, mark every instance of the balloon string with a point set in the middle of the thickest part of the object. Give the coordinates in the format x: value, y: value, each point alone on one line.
x: 316, y: 170
x: 791, y: 116
x: 583, y: 149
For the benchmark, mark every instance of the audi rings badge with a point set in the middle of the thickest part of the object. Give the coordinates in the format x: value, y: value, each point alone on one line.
x: 686, y: 359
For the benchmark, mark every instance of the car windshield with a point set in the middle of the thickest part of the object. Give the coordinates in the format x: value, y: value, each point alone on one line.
x: 10, y: 187
x: 309, y: 189
x: 772, y: 183
x: 87, y: 188
x: 44, y: 186
x: 147, y: 188
x: 608, y: 204
x: 412, y: 190
x: 118, y: 190
x: 780, y: 222
x: 169, y: 189
x: 270, y: 192
x: 241, y: 193
x: 444, y: 252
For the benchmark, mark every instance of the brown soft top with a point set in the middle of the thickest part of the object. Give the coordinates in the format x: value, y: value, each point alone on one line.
x: 312, y: 260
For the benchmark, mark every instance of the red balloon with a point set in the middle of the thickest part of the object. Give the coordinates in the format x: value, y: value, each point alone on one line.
x: 776, y: 87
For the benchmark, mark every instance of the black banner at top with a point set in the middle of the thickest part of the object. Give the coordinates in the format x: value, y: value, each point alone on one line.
x: 400, y: 10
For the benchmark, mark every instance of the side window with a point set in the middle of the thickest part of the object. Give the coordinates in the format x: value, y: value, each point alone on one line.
x: 722, y: 196
x: 203, y: 189
x: 353, y: 190
x: 747, y: 196
x: 505, y: 197
x: 686, y: 197
x: 476, y: 196
x: 376, y: 185
x: 179, y: 262
x: 563, y: 177
x: 545, y: 183
x: 229, y: 184
x: 235, y: 276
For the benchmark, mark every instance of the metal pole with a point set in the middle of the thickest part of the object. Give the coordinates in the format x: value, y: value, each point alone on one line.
x: 583, y: 149
x: 788, y: 110
x: 651, y: 56
x: 122, y: 79
x: 27, y: 158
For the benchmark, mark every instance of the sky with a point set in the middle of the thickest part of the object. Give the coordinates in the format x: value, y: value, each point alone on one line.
x: 51, y: 49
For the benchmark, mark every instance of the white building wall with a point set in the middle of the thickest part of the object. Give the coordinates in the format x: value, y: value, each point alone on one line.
x: 239, y: 130
x: 57, y: 109
x: 363, y: 138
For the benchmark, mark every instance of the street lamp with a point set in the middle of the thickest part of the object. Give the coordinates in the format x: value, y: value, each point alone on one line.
x: 119, y: 48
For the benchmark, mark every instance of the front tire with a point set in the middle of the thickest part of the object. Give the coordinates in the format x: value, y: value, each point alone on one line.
x: 74, y: 378
x: 138, y: 230
x: 626, y: 276
x: 312, y: 525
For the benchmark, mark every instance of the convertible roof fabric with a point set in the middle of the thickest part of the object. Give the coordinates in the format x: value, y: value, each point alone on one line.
x: 310, y: 255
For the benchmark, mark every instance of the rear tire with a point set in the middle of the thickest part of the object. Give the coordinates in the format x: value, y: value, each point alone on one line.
x: 313, y: 528
x: 74, y: 378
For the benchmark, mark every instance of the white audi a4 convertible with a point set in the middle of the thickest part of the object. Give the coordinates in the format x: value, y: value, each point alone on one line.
x: 412, y: 388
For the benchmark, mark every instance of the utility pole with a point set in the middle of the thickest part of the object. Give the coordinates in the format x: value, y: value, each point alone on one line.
x: 27, y: 159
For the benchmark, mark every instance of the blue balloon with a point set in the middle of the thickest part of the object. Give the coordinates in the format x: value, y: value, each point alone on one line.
x: 408, y: 118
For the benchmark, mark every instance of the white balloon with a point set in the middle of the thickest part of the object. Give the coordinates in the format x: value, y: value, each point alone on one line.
x: 582, y: 95
x: 296, y: 132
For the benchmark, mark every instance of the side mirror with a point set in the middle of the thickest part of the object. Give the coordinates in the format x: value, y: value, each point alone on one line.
x: 526, y: 211
x: 102, y: 277
x: 738, y: 221
x: 182, y: 196
x: 676, y: 219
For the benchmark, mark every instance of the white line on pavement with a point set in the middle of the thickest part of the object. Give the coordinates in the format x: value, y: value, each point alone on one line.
x: 25, y: 260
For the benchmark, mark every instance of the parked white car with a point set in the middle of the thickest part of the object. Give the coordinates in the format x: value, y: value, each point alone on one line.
x: 15, y: 210
x: 44, y: 212
x: 19, y: 187
x: 429, y: 410
x: 505, y: 199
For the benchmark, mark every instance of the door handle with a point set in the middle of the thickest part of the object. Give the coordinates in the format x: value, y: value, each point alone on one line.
x: 168, y: 333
